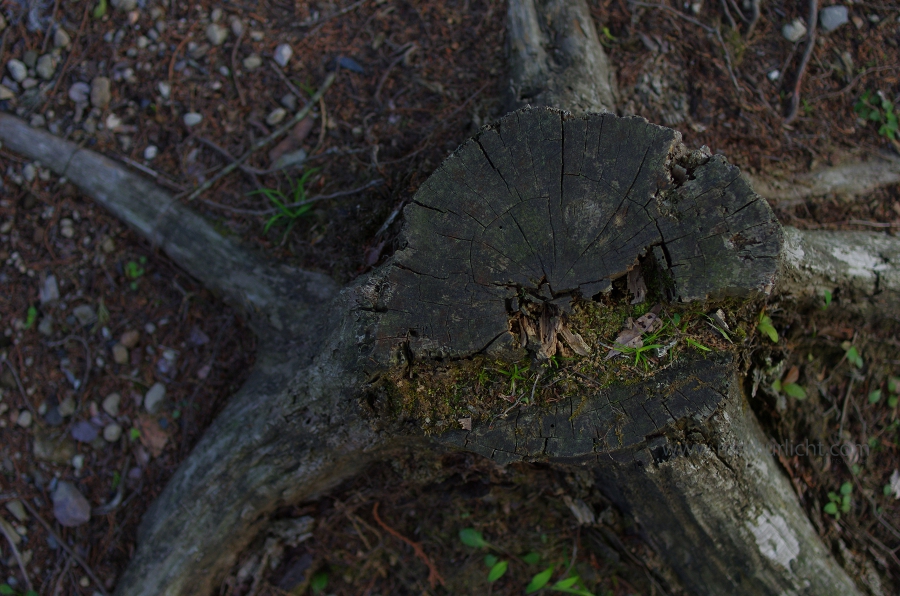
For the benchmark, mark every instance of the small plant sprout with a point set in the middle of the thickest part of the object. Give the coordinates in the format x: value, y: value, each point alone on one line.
x: 875, y: 396
x: 513, y: 374
x: 319, y: 582
x: 852, y: 354
x: 289, y: 207
x: 875, y: 107
x: 764, y: 325
x: 30, y: 317
x: 134, y: 270
x: 7, y: 590
x: 827, y: 300
x: 894, y: 389
x: 839, y: 503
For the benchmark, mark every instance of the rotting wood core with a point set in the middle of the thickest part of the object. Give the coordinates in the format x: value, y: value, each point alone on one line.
x: 554, y: 207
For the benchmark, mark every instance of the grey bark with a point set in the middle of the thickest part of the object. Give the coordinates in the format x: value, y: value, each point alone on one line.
x: 846, y: 180
x: 555, y: 58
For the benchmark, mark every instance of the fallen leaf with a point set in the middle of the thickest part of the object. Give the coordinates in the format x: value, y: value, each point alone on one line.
x: 153, y: 437
x: 792, y: 376
x: 466, y: 423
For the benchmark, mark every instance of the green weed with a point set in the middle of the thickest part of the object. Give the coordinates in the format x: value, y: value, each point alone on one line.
x: 30, y: 317
x: 839, y: 503
x: 7, y: 590
x: 875, y: 107
x: 764, y: 325
x: 290, y: 206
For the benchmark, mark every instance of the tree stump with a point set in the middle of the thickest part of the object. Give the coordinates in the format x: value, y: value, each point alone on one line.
x: 532, y: 217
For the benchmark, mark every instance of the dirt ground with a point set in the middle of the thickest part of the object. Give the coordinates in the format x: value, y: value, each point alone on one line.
x: 87, y: 309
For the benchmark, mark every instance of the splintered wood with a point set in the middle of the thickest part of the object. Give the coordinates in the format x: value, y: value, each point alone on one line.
x: 546, y: 208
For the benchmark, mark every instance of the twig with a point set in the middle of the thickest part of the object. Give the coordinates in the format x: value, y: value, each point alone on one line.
x: 291, y: 87
x: 178, y: 49
x: 65, y: 67
x: 87, y: 364
x: 384, y: 77
x: 810, y: 46
x: 314, y: 199
x: 120, y: 492
x: 712, y: 30
x: 266, y: 140
x: 151, y: 172
x: 15, y: 375
x: 67, y: 548
x: 234, y: 50
x: 50, y: 26
x: 59, y: 581
x: 434, y: 577
x: 18, y: 556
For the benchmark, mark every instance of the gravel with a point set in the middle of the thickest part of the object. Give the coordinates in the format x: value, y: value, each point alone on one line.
x: 794, y: 31
x: 61, y: 39
x: 833, y: 17
x: 100, y: 92
x: 46, y: 67
x: 80, y: 92
x: 283, y: 54
x: 216, y: 34
x: 252, y: 62
x: 17, y: 70
x: 276, y: 116
x: 111, y: 404
x: 70, y: 508
x: 192, y: 119
x: 112, y: 433
x: 153, y: 401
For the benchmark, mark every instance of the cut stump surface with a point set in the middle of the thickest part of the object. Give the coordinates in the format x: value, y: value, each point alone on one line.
x: 553, y: 206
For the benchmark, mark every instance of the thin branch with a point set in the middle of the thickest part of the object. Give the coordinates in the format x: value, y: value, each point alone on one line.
x: 434, y: 577
x: 234, y: 51
x: 712, y: 30
x: 308, y: 201
x: 87, y: 364
x: 266, y: 140
x: 810, y: 46
x: 67, y: 548
x: 15, y: 375
x: 16, y: 554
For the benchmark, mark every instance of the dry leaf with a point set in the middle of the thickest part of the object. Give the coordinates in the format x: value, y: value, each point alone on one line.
x: 466, y: 423
x: 153, y: 437
x: 792, y: 375
x: 631, y: 336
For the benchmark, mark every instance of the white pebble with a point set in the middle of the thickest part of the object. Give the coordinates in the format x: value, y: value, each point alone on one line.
x: 192, y: 119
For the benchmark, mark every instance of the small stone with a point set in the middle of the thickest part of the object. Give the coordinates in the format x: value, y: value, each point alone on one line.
x: 283, y: 54
x: 66, y: 407
x: 2, y: 22
x: 857, y: 22
x: 24, y: 419
x: 237, y: 26
x: 45, y: 327
x: 257, y: 35
x: 85, y: 314
x: 192, y: 119
x: 83, y: 431
x: 100, y: 92
x: 251, y: 62
x: 130, y: 338
x: 46, y: 67
x: 154, y: 399
x: 17, y: 509
x: 276, y: 116
x: 70, y: 508
x: 61, y: 39
x: 832, y: 17
x: 151, y: 152
x: 66, y: 227
x: 30, y: 58
x: 143, y: 41
x: 150, y: 328
x: 17, y: 70
x: 120, y: 354
x: 289, y: 101
x: 38, y: 121
x: 56, y: 451
x: 108, y: 245
x: 111, y: 404
x: 78, y: 462
x: 28, y: 83
x: 112, y: 433
x: 6, y: 93
x: 216, y: 34
x: 113, y: 122
x: 794, y: 31
x: 80, y: 92
x: 164, y: 89
x: 49, y: 290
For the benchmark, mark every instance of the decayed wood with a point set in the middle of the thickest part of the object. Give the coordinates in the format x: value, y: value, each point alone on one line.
x: 578, y: 200
x: 555, y: 58
x: 559, y: 206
